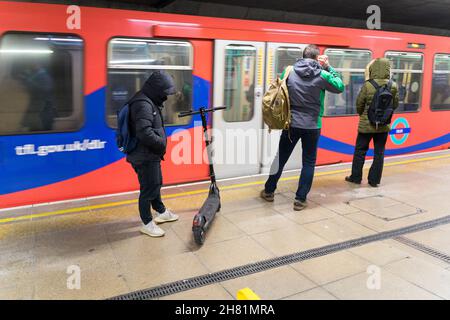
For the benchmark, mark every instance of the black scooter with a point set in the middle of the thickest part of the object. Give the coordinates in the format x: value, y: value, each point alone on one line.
x: 211, y: 206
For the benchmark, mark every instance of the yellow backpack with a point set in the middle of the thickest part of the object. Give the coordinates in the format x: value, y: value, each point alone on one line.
x: 276, y: 108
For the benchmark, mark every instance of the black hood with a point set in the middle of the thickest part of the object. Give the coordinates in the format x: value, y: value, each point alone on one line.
x: 158, y: 86
x: 307, y: 68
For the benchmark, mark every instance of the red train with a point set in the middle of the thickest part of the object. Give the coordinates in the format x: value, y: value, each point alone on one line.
x: 65, y: 70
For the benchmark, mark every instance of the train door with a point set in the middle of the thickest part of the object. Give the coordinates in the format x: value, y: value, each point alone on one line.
x: 279, y: 56
x: 239, y: 85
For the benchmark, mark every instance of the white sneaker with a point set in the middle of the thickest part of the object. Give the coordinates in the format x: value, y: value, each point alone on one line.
x: 152, y: 230
x: 166, y: 216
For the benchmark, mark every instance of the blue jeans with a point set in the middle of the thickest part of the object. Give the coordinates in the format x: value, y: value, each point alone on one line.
x: 310, y: 139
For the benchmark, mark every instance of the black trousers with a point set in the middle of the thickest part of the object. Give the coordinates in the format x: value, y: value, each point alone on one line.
x: 150, y: 181
x: 362, y: 145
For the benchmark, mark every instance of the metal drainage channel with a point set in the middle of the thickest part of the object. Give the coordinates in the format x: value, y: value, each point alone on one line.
x: 224, y: 275
x: 426, y: 249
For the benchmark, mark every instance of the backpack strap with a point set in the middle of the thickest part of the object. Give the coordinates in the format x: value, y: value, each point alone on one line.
x: 285, y: 72
x: 146, y: 99
x: 389, y: 84
x: 155, y: 109
x: 374, y: 83
x: 131, y: 101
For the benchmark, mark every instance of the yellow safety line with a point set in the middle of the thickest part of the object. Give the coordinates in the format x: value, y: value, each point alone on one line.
x: 64, y: 211
x: 416, y: 160
x: 195, y: 192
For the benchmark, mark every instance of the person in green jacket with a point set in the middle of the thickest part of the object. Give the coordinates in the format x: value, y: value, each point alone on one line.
x: 379, y: 70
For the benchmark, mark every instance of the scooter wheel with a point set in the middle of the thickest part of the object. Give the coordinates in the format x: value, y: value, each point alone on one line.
x: 199, y: 236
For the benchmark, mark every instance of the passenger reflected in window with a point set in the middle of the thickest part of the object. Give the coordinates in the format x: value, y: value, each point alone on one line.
x: 239, y: 78
x: 442, y: 88
x: 351, y: 64
x: 286, y: 56
x: 250, y: 94
x: 440, y: 93
x: 132, y: 61
x: 180, y: 101
x: 40, y: 113
x: 41, y: 79
x: 407, y: 71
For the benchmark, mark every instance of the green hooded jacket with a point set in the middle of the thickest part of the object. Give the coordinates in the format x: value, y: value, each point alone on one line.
x: 379, y: 70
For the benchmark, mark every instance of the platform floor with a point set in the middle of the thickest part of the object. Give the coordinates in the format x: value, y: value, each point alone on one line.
x: 39, y: 243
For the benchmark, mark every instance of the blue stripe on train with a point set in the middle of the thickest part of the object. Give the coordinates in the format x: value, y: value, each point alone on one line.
x: 345, y: 148
x: 22, y: 172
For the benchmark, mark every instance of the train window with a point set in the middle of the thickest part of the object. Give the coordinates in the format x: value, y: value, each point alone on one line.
x: 351, y: 65
x: 286, y: 56
x: 407, y: 70
x: 239, y: 84
x: 132, y: 61
x: 440, y: 90
x: 41, y: 81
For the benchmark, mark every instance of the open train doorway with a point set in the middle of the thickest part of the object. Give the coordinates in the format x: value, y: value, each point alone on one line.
x: 238, y: 85
x: 242, y: 72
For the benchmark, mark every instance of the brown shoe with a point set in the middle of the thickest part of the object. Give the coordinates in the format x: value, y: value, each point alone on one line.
x: 267, y: 196
x: 299, y: 205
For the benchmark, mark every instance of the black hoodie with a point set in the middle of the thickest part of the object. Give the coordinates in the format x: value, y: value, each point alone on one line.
x: 158, y: 86
x: 146, y: 121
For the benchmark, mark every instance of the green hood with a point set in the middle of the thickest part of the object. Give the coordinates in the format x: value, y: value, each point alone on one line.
x: 380, y: 69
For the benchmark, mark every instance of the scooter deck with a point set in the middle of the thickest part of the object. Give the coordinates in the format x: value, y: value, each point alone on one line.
x: 206, y: 214
x: 209, y: 209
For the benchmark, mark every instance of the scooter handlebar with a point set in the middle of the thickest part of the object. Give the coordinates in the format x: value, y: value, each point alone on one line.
x: 192, y: 112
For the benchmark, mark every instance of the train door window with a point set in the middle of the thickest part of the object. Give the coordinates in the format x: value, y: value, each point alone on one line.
x: 407, y: 70
x: 351, y: 65
x: 440, y: 90
x: 41, y: 83
x: 132, y: 61
x: 286, y: 56
x: 239, y: 84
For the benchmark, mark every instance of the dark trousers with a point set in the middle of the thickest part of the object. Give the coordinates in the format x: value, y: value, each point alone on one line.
x: 150, y: 181
x: 362, y: 145
x: 310, y: 139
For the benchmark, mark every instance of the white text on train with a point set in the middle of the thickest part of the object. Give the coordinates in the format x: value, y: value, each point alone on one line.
x: 31, y: 149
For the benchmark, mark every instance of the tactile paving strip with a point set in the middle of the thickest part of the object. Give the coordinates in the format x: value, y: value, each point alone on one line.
x: 240, y: 271
x: 424, y: 248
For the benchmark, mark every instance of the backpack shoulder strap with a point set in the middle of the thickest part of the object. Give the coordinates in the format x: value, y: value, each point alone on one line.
x: 286, y: 72
x: 374, y: 83
x: 132, y: 101
x: 389, y: 85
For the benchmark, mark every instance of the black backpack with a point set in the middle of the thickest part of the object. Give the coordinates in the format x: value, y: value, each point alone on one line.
x: 381, y: 109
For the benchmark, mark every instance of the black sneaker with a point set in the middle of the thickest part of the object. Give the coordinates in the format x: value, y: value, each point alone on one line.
x: 267, y: 196
x: 373, y: 185
x: 299, y: 205
x: 350, y: 179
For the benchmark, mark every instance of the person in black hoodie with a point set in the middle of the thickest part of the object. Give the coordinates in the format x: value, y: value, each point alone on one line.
x: 146, y: 123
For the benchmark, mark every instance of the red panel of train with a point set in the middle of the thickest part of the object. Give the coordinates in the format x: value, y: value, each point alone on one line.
x: 57, y: 138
